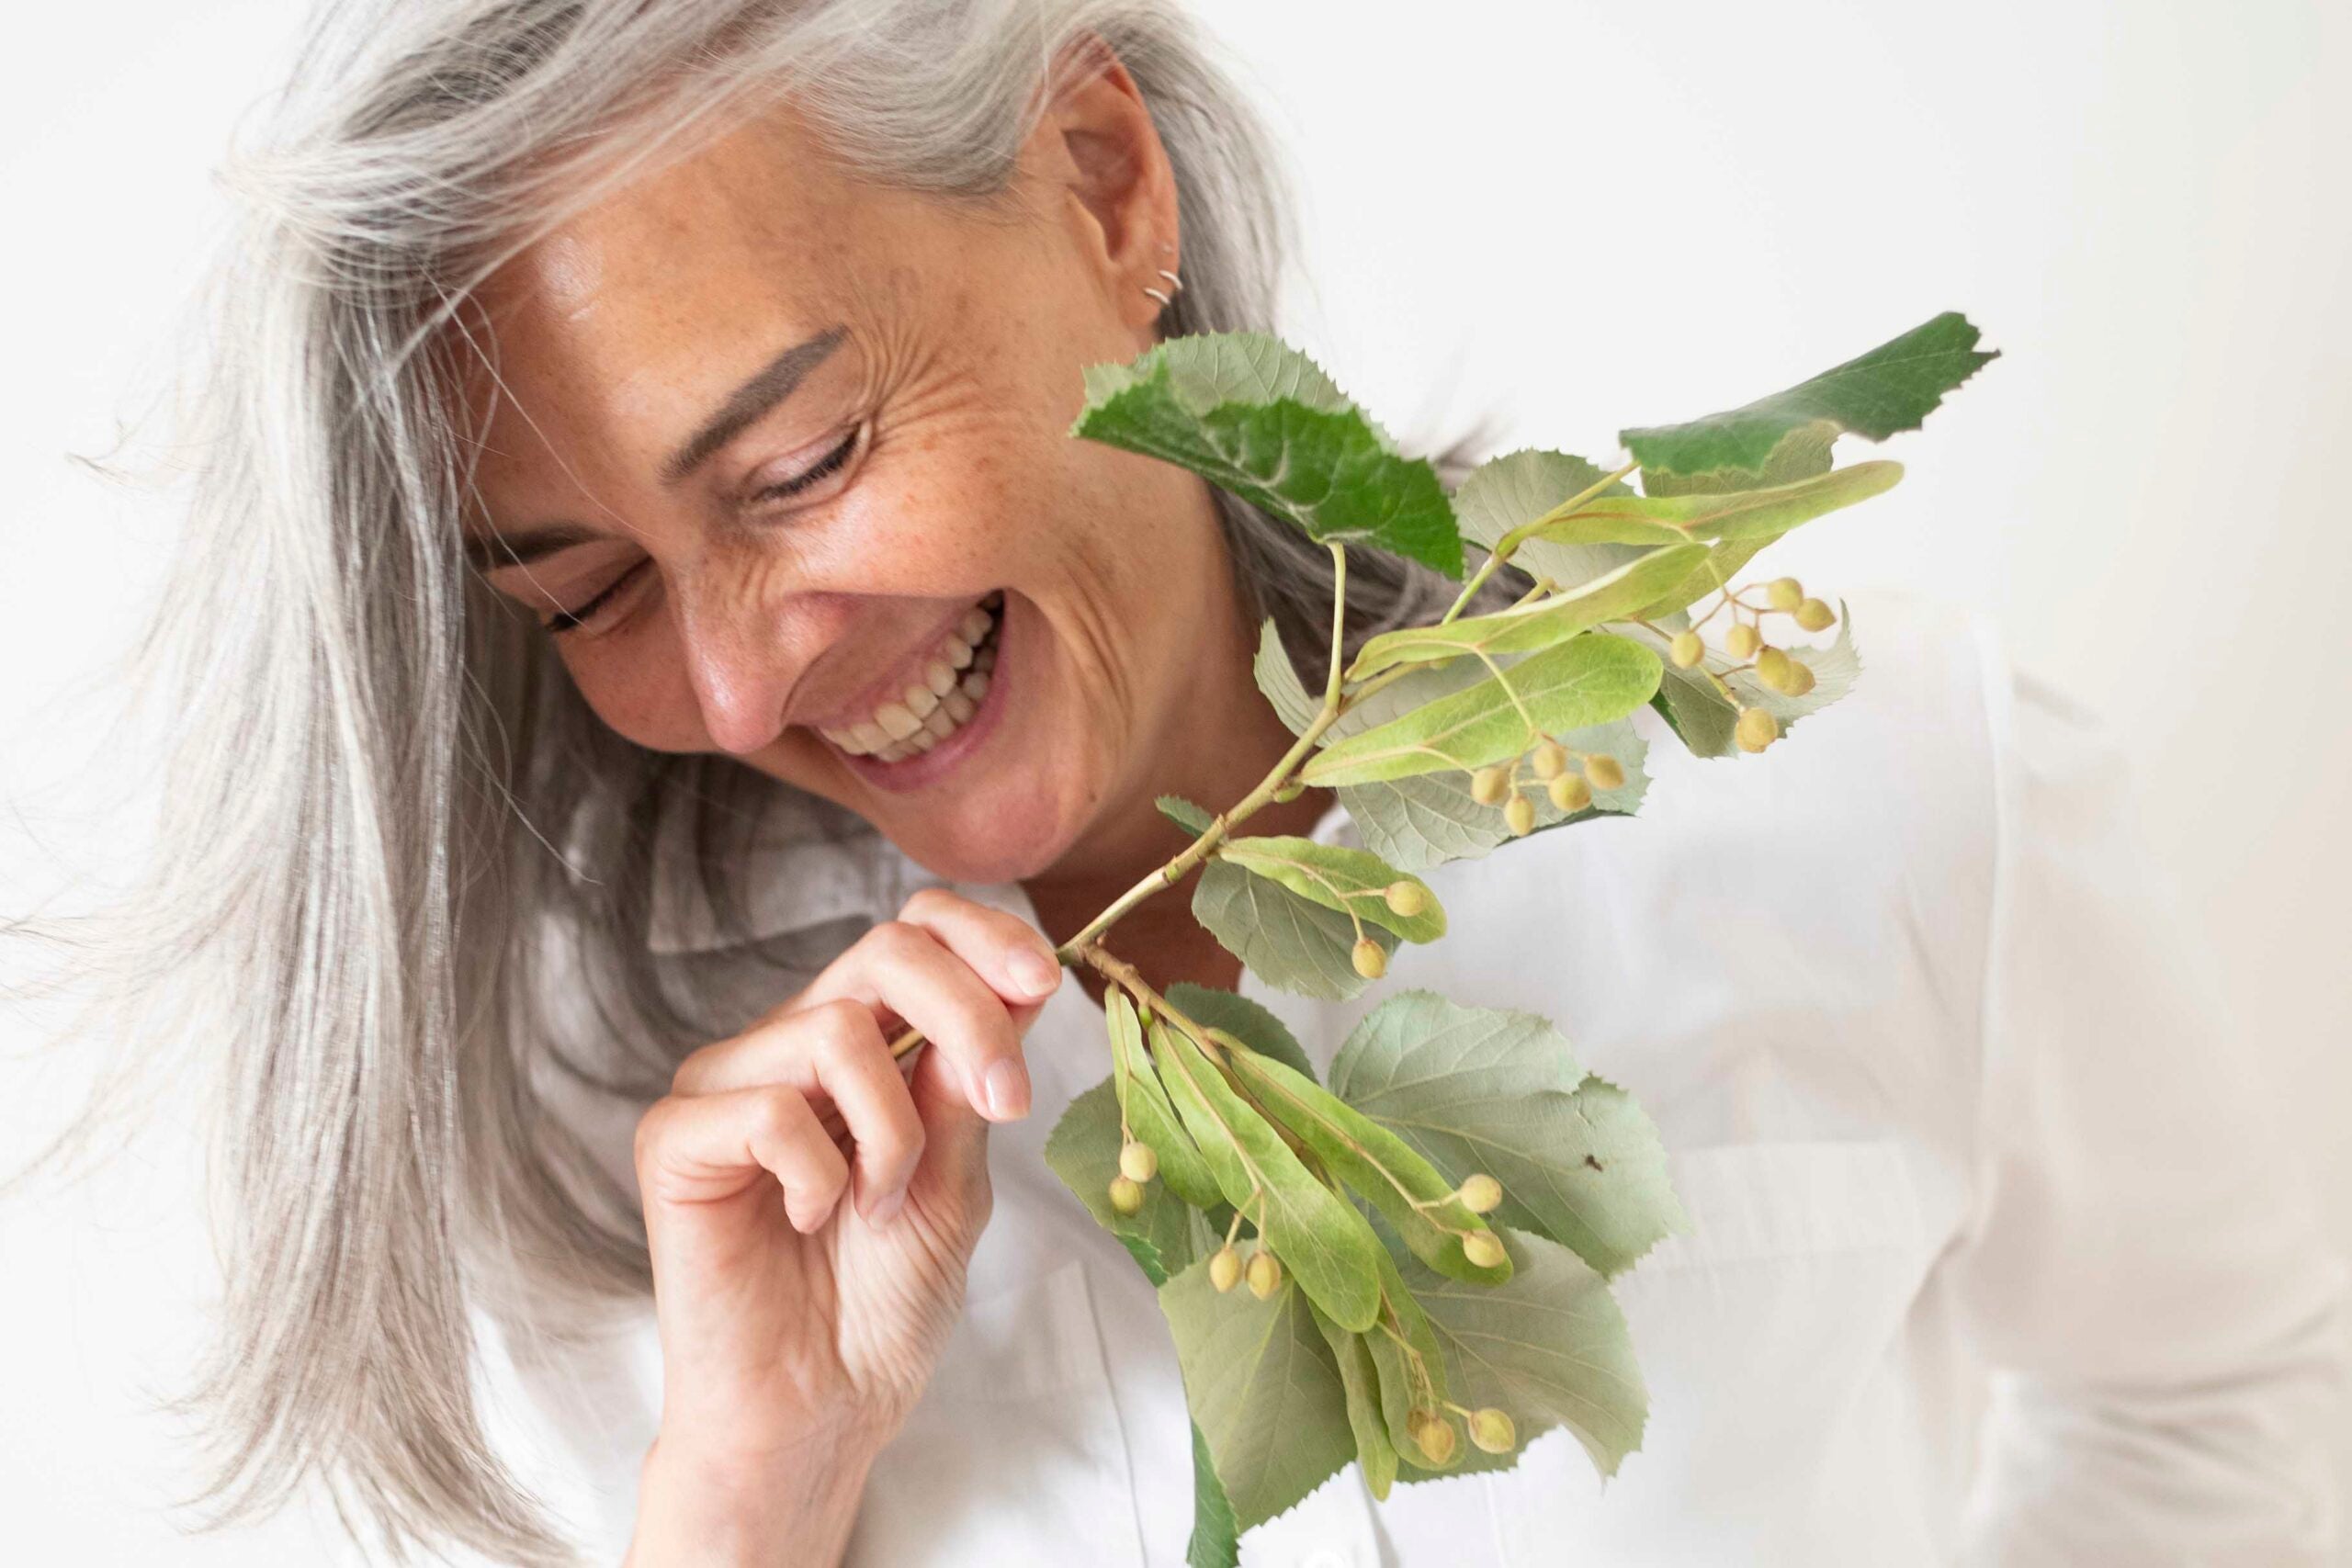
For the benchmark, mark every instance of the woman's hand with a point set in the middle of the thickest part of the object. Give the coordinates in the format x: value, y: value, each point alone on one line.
x: 810, y: 1209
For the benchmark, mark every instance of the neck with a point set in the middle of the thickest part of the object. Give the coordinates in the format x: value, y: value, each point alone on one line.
x: 1220, y: 752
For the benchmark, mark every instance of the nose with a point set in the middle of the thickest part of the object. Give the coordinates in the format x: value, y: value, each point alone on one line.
x: 745, y: 650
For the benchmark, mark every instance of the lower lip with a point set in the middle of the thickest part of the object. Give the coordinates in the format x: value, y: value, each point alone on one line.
x: 926, y: 768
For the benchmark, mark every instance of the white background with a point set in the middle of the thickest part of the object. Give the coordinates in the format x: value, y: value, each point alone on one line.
x: 1582, y: 215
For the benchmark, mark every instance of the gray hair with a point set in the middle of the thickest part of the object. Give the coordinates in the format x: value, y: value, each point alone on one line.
x: 387, y: 801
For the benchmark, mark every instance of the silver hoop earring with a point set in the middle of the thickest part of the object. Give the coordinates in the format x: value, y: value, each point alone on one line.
x: 1175, y: 284
x: 1164, y: 300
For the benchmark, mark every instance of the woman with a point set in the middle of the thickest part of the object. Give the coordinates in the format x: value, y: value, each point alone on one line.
x: 658, y: 638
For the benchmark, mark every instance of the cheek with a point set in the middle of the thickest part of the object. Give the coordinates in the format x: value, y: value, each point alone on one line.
x: 636, y: 686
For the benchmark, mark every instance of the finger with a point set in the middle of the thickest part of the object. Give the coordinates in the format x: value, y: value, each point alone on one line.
x: 836, y: 1050
x: 1013, y: 955
x: 707, y: 1148
x: 954, y: 1174
x: 904, y: 968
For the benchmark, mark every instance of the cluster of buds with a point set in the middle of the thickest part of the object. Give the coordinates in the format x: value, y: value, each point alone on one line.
x: 1493, y: 1430
x: 1570, y: 778
x: 1775, y: 667
x: 1406, y: 898
x: 1138, y: 1163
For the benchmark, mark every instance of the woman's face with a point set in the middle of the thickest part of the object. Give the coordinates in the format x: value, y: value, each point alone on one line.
x: 786, y: 456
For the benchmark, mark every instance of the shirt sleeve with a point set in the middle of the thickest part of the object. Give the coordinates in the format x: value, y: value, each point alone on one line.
x: 2144, y: 1268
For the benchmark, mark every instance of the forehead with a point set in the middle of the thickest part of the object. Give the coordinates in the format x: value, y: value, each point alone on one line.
x: 670, y: 289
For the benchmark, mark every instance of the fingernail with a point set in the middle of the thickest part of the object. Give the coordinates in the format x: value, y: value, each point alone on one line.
x: 887, y: 1206
x: 1034, y: 971
x: 1008, y: 1090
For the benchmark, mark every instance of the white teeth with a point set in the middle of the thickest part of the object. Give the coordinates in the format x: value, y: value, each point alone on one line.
x: 953, y: 683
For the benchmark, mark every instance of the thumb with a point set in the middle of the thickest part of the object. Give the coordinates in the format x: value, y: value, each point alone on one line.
x: 955, y: 1166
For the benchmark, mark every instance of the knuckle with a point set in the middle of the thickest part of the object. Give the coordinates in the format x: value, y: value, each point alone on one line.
x: 777, y: 1112
x: 896, y: 942
x: 651, y: 1127
x: 842, y: 1027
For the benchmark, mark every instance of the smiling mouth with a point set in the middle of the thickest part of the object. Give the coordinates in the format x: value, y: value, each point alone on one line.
x: 953, y: 684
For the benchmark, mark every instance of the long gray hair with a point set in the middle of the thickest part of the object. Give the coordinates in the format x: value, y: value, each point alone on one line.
x: 386, y: 793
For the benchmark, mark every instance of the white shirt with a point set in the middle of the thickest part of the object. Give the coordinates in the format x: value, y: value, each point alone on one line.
x: 1945, y: 1089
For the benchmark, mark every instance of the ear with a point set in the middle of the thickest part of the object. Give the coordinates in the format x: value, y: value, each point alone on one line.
x: 1100, y: 152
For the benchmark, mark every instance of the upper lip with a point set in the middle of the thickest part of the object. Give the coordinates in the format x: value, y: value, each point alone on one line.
x: 905, y: 671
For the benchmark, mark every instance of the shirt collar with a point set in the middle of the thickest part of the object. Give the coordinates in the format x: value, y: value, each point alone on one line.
x: 804, y: 863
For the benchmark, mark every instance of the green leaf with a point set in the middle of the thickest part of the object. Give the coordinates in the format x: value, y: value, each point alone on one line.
x: 1215, y: 1540
x: 1376, y: 1163
x: 1322, y: 1241
x: 1231, y: 1013
x: 1702, y: 718
x: 1193, y: 818
x: 1426, y: 820
x: 1254, y: 416
x: 1513, y: 490
x: 1083, y: 1150
x: 1375, y: 1453
x: 1629, y: 590
x: 1801, y: 454
x: 1549, y: 1346
x: 1278, y: 679
x: 1292, y: 943
x: 1149, y: 1115
x: 1264, y: 1389
x: 1747, y: 514
x: 1893, y: 388
x: 1338, y: 878
x: 1479, y: 1089
x: 1587, y: 680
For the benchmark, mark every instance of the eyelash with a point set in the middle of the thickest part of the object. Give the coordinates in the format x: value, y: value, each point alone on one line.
x: 562, y: 621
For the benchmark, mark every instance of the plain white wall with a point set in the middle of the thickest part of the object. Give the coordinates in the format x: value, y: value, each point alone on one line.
x: 1578, y: 217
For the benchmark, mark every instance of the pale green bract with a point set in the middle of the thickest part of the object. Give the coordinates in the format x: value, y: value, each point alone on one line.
x: 1378, y: 1322
x: 1588, y: 681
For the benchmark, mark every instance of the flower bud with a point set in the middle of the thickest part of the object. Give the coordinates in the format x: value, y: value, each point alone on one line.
x: 1488, y: 786
x: 1519, y: 816
x: 1816, y: 616
x: 1743, y: 640
x: 1492, y: 1430
x: 1550, y: 760
x: 1480, y: 1193
x: 1370, y: 961
x: 1484, y: 1248
x: 1800, y: 675
x: 1776, y: 670
x: 1569, y: 792
x: 1225, y: 1268
x: 1266, y: 1274
x: 1126, y: 1194
x: 1407, y: 898
x: 1686, y: 649
x: 1434, y: 1437
x: 1138, y: 1161
x: 1290, y: 792
x: 1784, y: 594
x: 1604, y: 772
x: 1755, y: 730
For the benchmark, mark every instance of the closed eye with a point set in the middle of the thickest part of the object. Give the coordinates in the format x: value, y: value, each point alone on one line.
x: 813, y: 475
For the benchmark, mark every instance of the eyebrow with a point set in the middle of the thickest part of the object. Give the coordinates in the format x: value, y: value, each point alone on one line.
x: 774, y: 382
